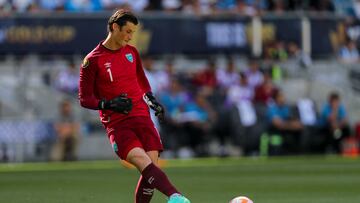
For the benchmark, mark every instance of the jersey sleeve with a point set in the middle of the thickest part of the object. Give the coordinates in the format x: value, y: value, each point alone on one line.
x: 143, y: 81
x: 87, y: 96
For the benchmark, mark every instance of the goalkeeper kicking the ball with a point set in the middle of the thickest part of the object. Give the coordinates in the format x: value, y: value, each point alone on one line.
x: 112, y: 80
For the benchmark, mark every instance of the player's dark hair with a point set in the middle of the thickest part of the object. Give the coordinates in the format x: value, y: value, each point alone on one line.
x: 243, y: 75
x: 334, y: 96
x: 276, y: 94
x: 120, y: 17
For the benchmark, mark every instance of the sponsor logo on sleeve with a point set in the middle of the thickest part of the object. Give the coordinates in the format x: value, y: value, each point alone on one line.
x: 85, y: 63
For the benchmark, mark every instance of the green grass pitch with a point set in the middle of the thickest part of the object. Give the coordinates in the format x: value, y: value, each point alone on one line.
x: 326, y: 179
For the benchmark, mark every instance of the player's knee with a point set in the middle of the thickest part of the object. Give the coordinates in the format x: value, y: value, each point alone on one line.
x: 139, y: 158
x: 141, y: 161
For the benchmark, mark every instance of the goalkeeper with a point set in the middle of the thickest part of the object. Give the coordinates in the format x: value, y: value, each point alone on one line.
x: 112, y: 80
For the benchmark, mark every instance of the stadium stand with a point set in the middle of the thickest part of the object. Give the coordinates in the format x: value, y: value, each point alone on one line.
x: 304, y: 68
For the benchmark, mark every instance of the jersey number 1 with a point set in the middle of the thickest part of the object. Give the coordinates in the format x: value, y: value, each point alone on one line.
x: 110, y: 74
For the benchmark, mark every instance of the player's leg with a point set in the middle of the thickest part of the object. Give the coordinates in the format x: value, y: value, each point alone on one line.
x: 123, y: 140
x: 150, y: 172
x: 150, y: 137
x: 144, y: 191
x: 154, y: 175
x: 154, y: 156
x: 128, y: 147
x: 174, y: 198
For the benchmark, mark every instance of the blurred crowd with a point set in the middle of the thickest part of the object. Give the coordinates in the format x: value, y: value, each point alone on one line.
x: 229, y: 110
x: 243, y: 110
x: 222, y: 107
x: 243, y: 107
x: 199, y: 7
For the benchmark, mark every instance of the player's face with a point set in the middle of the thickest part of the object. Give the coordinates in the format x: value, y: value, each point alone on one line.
x: 124, y: 34
x: 334, y: 103
x: 280, y: 99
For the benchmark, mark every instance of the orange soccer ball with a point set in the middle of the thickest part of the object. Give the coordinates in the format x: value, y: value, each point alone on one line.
x: 241, y: 199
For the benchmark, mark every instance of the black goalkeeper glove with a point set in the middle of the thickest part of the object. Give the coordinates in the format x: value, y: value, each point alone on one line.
x: 121, y: 104
x: 154, y: 105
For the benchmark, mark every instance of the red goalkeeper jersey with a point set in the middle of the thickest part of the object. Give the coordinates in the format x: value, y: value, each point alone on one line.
x: 106, y: 74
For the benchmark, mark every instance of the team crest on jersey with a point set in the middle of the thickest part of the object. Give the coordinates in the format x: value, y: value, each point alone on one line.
x: 129, y: 57
x: 85, y: 63
x: 115, y: 147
